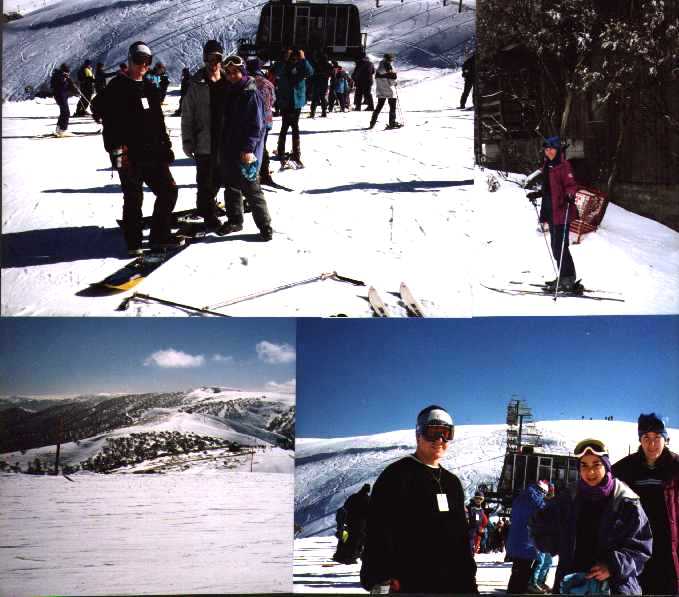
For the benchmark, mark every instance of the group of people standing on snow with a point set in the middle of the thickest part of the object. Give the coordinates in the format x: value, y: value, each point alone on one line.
x: 227, y: 108
x: 615, y: 531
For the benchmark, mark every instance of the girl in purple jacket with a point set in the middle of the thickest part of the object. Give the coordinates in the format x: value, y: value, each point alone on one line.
x: 558, y: 201
x: 599, y: 529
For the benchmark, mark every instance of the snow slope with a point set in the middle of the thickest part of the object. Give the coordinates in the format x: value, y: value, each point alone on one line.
x: 420, y: 32
x: 327, y: 471
x: 140, y: 534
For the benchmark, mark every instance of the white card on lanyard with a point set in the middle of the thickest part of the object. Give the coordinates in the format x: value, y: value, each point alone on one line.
x: 145, y: 103
x: 442, y: 500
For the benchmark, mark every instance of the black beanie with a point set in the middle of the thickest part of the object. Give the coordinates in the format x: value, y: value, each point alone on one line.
x: 651, y: 423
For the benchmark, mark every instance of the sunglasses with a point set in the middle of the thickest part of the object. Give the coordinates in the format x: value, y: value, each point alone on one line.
x: 140, y: 58
x: 596, y: 447
x: 433, y: 432
x: 213, y: 58
x: 233, y: 60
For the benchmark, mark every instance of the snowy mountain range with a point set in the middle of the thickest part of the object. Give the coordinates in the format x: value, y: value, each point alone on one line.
x: 424, y: 33
x: 127, y: 429
x: 327, y: 471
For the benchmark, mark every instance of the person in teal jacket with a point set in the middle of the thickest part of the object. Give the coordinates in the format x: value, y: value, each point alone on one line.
x: 291, y: 75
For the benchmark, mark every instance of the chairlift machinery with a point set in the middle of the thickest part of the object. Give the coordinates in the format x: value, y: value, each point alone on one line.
x: 332, y: 28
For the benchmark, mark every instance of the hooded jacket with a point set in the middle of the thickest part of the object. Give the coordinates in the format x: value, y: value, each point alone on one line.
x: 244, y: 122
x: 624, y: 539
x: 197, y: 127
x: 520, y: 544
x: 633, y: 471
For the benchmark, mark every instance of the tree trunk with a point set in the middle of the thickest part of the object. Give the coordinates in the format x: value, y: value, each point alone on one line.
x: 565, y: 115
x: 622, y: 126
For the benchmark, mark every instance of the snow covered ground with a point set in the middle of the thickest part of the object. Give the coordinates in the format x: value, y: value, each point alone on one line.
x: 315, y: 572
x: 141, y: 534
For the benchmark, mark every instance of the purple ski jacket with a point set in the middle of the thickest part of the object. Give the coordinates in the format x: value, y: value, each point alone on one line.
x: 624, y: 537
x: 561, y: 183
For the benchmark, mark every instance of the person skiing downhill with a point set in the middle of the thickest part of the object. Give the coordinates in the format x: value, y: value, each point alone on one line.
x: 653, y: 473
x: 241, y: 150
x: 558, y: 200
x: 417, y: 530
x: 385, y: 81
x: 202, y: 127
x: 137, y: 141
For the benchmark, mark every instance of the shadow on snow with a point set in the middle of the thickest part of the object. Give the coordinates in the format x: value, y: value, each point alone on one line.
x: 413, y: 186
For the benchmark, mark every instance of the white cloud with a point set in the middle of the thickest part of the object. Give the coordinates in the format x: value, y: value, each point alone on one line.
x: 275, y: 353
x: 172, y: 358
x: 220, y: 358
x: 287, y: 387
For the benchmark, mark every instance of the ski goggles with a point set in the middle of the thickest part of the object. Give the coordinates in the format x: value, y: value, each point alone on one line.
x: 140, y: 58
x: 595, y: 446
x: 433, y: 432
x: 213, y: 58
x: 233, y: 60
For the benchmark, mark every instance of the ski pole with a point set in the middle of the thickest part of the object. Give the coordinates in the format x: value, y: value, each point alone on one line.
x: 147, y: 297
x: 254, y: 295
x: 544, y: 234
x: 563, y: 245
x: 398, y: 105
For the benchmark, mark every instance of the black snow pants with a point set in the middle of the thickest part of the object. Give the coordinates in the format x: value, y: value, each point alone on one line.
x: 290, y: 120
x: 378, y: 109
x: 159, y: 179
x: 208, y: 180
x: 559, y: 236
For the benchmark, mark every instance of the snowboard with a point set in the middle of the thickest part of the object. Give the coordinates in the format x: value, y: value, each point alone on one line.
x: 137, y: 270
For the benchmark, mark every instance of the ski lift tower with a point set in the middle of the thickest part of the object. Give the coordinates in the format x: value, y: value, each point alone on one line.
x: 521, y: 430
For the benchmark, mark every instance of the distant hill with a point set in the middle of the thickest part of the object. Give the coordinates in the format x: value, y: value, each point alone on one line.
x: 149, y: 424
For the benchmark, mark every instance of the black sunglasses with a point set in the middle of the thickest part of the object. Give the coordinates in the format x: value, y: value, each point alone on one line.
x: 140, y: 58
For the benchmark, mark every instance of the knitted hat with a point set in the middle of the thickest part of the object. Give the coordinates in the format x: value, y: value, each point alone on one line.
x: 651, y: 423
x: 433, y: 415
x: 212, y: 46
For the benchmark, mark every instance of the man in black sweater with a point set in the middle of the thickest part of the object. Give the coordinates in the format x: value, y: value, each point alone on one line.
x: 140, y: 149
x: 417, y: 538
x: 653, y: 473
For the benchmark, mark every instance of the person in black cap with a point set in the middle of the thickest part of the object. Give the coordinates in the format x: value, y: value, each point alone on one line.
x: 137, y: 141
x: 202, y: 125
x: 559, y: 210
x: 417, y: 530
x: 653, y: 473
x: 62, y: 86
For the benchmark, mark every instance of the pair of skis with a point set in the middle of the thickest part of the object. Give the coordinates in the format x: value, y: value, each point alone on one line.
x: 544, y: 290
x: 379, y: 307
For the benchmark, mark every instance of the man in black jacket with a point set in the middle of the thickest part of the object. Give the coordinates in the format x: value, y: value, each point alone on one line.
x: 469, y: 75
x: 417, y: 538
x: 653, y: 473
x: 140, y: 149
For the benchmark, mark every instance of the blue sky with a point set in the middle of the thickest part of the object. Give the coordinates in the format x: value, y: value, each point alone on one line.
x: 369, y: 376
x: 80, y: 355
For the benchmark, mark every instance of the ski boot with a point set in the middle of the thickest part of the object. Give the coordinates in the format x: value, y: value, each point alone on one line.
x: 266, y: 233
x: 229, y: 227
